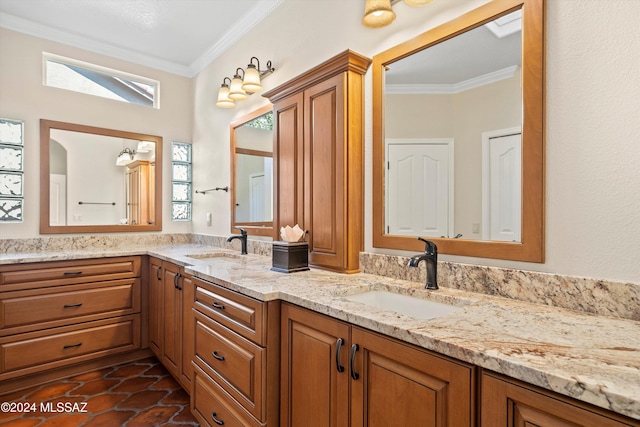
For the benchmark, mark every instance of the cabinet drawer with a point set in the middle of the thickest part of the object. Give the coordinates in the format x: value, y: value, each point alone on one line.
x: 35, y: 275
x: 33, y: 307
x: 241, y: 314
x: 234, y: 362
x: 62, y: 348
x: 212, y: 405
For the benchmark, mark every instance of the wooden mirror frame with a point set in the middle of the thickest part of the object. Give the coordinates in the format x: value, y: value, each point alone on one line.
x: 531, y: 247
x: 252, y: 228
x: 45, y: 136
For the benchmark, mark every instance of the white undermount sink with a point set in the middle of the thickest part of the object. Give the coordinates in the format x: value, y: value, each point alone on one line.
x: 403, y: 304
x: 214, y: 256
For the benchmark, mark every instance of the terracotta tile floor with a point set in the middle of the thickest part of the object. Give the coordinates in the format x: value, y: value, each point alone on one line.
x: 137, y: 394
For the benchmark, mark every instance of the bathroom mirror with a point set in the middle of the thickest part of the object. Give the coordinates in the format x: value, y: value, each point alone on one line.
x: 97, y: 180
x: 252, y: 172
x: 458, y: 136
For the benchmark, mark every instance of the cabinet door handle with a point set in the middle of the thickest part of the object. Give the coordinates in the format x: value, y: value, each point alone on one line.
x: 72, y: 305
x: 338, y: 348
x: 218, y: 306
x: 72, y: 345
x: 217, y: 356
x: 215, y: 420
x: 72, y: 273
x: 176, y: 281
x: 159, y: 273
x: 352, y: 362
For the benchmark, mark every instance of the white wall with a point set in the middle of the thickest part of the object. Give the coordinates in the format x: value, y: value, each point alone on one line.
x: 593, y: 125
x: 23, y: 97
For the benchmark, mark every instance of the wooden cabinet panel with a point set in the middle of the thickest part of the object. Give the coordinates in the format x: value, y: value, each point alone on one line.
x: 212, y: 406
x: 234, y: 362
x: 314, y: 390
x: 511, y: 403
x: 156, y: 291
x: 41, y: 350
x: 239, y: 313
x: 171, y: 319
x: 188, y: 330
x: 36, y: 307
x: 402, y: 385
x: 287, y: 164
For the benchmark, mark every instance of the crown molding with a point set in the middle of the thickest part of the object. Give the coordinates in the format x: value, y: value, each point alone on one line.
x: 433, y: 89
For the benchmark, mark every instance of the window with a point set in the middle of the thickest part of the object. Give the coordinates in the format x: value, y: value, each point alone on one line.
x: 11, y: 170
x: 180, y: 181
x: 78, y: 76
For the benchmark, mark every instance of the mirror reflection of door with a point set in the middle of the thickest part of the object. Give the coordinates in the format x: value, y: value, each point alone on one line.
x: 420, y: 182
x: 501, y: 183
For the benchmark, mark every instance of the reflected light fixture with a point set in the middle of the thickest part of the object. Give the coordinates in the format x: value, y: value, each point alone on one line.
x: 379, y: 13
x: 244, y: 83
x: 125, y: 157
x: 223, y: 95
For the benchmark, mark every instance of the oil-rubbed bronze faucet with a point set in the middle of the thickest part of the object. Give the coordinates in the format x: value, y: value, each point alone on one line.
x: 243, y: 239
x: 430, y: 256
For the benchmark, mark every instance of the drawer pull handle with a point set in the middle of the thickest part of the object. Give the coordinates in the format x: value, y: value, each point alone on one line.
x: 218, y: 306
x: 72, y: 305
x: 72, y: 273
x: 72, y: 345
x: 339, y: 344
x: 215, y: 420
x: 217, y: 356
x: 352, y: 368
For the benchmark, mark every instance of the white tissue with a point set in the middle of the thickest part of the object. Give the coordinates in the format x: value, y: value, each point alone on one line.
x: 289, y: 234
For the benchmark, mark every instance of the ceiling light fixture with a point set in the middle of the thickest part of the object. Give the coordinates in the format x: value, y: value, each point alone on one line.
x: 379, y: 13
x: 244, y: 83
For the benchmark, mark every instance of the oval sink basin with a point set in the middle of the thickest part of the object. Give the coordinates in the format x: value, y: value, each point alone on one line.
x: 214, y: 256
x: 403, y: 304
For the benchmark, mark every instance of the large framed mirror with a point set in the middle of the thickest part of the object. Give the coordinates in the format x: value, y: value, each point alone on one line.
x: 96, y: 180
x: 458, y: 136
x: 252, y: 172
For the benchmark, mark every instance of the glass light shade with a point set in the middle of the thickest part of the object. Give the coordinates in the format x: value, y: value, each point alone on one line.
x: 124, y: 158
x: 417, y: 2
x: 378, y: 13
x: 235, y: 91
x: 223, y: 98
x: 251, y: 80
x: 145, y: 146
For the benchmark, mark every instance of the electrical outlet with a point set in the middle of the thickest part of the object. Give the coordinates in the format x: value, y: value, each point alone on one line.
x: 475, y: 228
x: 77, y: 217
x: 209, y: 219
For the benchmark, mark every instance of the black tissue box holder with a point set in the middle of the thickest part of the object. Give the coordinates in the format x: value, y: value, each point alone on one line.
x: 289, y: 257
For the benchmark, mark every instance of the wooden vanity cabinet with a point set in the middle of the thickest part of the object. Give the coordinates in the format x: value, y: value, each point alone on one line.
x: 171, y: 296
x: 236, y: 363
x: 335, y: 374
x: 511, y: 403
x: 319, y: 157
x: 141, y: 177
x: 63, y: 317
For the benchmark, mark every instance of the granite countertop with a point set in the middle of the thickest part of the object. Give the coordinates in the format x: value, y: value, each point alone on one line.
x: 595, y: 359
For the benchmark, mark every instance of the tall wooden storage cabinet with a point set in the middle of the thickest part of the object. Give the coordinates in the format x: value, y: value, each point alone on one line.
x: 319, y: 155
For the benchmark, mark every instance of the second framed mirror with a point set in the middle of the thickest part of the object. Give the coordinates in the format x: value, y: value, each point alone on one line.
x: 252, y: 172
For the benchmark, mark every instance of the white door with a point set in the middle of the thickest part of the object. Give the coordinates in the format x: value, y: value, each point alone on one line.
x: 256, y: 198
x: 502, y: 185
x: 419, y: 196
x: 57, y: 199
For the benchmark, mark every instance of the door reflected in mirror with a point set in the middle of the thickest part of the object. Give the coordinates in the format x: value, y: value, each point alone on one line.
x: 458, y: 136
x: 99, y: 180
x: 252, y: 172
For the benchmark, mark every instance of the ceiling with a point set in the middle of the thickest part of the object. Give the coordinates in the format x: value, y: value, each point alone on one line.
x: 177, y: 36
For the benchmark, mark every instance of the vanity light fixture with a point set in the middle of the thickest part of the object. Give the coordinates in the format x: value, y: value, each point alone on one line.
x: 244, y: 83
x: 125, y: 157
x: 379, y: 13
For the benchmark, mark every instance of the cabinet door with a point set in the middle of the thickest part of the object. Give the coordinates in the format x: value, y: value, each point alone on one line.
x: 155, y: 306
x: 324, y: 172
x: 188, y: 330
x: 172, y: 319
x: 314, y: 383
x: 400, y: 385
x: 288, y: 163
x: 507, y: 403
